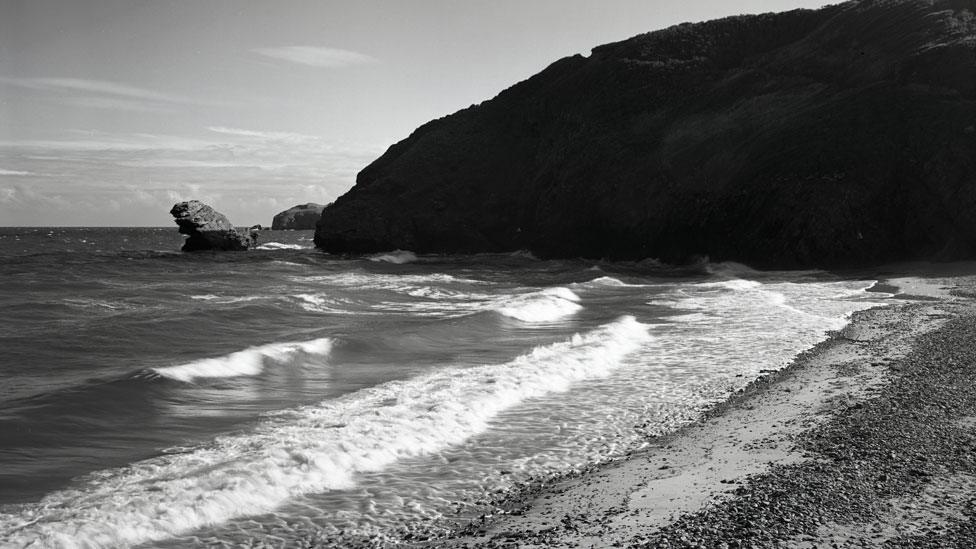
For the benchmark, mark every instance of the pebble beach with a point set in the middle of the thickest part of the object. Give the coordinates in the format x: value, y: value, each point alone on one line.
x: 866, y: 440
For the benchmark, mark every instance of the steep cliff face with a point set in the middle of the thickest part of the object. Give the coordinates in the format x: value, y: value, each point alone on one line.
x: 842, y: 136
x: 298, y: 218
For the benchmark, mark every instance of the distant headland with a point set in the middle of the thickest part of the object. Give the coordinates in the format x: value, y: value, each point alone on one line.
x: 298, y: 218
x: 842, y: 136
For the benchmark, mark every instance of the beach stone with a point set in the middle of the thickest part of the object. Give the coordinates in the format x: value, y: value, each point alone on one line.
x: 208, y: 229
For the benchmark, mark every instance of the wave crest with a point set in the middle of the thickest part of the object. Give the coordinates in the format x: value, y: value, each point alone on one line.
x: 311, y: 449
x: 249, y: 362
x: 397, y: 257
x: 546, y: 305
x: 281, y: 246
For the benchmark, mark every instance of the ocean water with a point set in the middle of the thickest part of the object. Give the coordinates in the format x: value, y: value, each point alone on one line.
x: 159, y: 399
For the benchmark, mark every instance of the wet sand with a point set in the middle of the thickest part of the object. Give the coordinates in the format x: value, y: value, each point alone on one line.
x: 866, y: 440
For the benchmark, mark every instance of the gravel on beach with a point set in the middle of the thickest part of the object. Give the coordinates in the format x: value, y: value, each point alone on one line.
x: 897, y: 470
x: 893, y: 467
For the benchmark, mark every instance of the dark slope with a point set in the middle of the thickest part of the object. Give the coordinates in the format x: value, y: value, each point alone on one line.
x: 843, y: 136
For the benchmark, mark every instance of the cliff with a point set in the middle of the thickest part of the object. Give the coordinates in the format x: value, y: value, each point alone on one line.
x: 837, y: 137
x: 299, y: 218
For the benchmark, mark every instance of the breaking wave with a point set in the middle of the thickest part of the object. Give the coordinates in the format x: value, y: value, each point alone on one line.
x: 281, y: 246
x: 311, y: 449
x: 249, y: 362
x: 545, y: 305
x: 398, y: 257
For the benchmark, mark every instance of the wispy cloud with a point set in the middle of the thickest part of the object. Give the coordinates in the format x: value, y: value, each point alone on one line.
x: 17, y: 172
x: 318, y: 57
x: 116, y: 104
x: 248, y: 174
x: 100, y: 94
x: 265, y: 135
x: 103, y: 87
x: 99, y: 141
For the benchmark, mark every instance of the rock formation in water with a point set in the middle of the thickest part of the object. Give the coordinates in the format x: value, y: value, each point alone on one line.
x: 836, y: 137
x: 208, y: 229
x: 299, y: 218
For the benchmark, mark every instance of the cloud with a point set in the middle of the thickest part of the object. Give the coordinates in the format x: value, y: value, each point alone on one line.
x: 265, y: 135
x: 191, y: 163
x: 248, y: 174
x: 115, y: 104
x: 16, y: 172
x: 99, y: 141
x: 30, y: 198
x: 101, y: 94
x: 101, y: 87
x: 318, y: 57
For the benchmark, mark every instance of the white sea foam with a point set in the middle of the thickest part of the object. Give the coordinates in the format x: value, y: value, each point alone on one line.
x: 331, y: 304
x: 249, y: 362
x: 434, y: 294
x: 371, y: 281
x: 397, y: 256
x: 227, y: 299
x: 827, y: 305
x: 310, y: 449
x: 545, y: 305
x: 435, y: 304
x: 736, y: 284
x: 97, y: 304
x: 608, y: 282
x: 281, y: 246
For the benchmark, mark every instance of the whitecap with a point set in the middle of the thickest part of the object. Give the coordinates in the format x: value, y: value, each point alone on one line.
x: 371, y: 281
x: 608, y: 282
x: 546, y: 305
x: 397, y: 256
x: 736, y: 284
x: 227, y: 300
x: 97, y: 304
x: 281, y: 246
x: 249, y: 362
x: 310, y: 449
x: 324, y: 303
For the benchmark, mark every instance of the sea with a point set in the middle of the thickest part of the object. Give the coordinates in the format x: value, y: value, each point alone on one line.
x: 284, y: 396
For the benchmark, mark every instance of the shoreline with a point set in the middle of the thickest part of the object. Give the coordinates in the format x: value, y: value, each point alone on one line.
x: 688, y: 488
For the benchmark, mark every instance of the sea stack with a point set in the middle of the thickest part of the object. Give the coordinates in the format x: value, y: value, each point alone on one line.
x: 813, y: 138
x: 302, y: 217
x: 208, y: 229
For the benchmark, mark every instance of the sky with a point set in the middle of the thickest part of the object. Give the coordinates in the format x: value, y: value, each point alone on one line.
x: 111, y: 111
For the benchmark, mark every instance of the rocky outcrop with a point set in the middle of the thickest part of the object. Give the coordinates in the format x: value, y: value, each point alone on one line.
x: 837, y: 137
x: 299, y: 218
x: 208, y: 229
